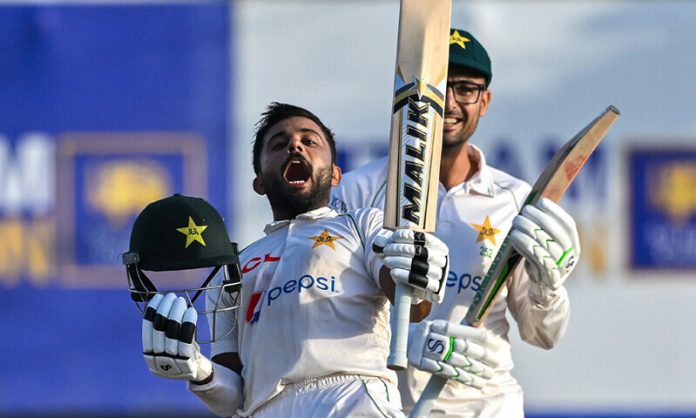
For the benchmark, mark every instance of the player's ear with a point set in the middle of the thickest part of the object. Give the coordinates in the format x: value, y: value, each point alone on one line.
x: 258, y: 186
x: 336, y: 175
x: 485, y: 99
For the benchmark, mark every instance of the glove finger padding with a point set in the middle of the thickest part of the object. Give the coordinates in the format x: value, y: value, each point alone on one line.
x: 380, y: 242
x: 169, y: 349
x: 188, y: 333
x: 465, y: 354
x: 559, y: 225
x: 470, y: 365
x: 411, y: 237
x: 479, y: 343
x: 174, y: 319
x: 543, y: 266
x: 541, y: 241
x: 453, y: 373
x: 547, y: 237
x: 416, y: 272
x: 148, y: 319
x: 415, y: 258
x: 561, y: 219
x: 159, y: 338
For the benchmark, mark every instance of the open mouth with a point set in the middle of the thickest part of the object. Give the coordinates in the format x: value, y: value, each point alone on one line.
x: 451, y: 120
x: 297, y: 172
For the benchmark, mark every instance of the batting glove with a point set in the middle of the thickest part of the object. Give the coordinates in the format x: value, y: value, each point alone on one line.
x: 462, y: 353
x: 169, y: 330
x: 418, y: 259
x: 547, y: 237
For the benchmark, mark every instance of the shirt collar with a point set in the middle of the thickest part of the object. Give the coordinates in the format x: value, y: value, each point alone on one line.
x: 482, y: 180
x: 323, y: 212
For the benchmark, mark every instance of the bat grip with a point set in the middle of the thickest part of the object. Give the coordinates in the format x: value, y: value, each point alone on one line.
x: 399, y: 327
x: 428, y: 396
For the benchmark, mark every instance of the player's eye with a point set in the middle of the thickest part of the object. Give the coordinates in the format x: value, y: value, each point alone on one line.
x: 465, y: 90
x: 277, y: 144
x: 309, y: 141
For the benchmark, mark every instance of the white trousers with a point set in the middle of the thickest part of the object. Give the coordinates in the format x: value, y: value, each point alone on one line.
x: 501, y: 405
x: 339, y: 396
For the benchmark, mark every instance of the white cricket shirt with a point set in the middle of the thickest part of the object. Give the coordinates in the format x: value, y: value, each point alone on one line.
x: 473, y: 219
x: 311, y: 304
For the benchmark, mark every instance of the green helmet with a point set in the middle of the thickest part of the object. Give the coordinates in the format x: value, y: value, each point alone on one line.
x: 183, y: 233
x: 179, y: 233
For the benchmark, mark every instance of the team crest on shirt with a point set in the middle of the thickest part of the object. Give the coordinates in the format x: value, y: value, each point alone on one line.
x: 486, y: 231
x: 325, y: 238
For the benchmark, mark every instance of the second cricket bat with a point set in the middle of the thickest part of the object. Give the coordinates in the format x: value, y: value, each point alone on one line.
x: 552, y: 184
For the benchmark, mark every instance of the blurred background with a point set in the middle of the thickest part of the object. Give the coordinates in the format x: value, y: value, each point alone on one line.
x: 106, y: 106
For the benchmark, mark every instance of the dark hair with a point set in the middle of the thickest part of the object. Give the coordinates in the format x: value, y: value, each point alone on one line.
x: 278, y: 112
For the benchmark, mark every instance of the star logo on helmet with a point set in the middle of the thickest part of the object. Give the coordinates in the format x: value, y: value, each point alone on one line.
x: 456, y: 38
x: 193, y: 232
x: 325, y: 238
x: 486, y: 231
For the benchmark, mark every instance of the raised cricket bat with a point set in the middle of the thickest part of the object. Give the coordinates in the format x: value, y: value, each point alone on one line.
x: 552, y: 184
x: 416, y: 137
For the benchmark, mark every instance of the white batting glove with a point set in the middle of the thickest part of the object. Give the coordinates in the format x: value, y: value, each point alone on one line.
x: 418, y: 259
x: 169, y: 330
x: 547, y: 237
x: 462, y: 353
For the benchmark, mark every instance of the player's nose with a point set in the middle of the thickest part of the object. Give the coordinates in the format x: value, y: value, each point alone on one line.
x: 295, y: 144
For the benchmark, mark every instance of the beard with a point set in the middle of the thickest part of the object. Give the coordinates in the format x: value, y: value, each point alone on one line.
x: 452, y: 141
x: 291, y: 202
x: 462, y: 138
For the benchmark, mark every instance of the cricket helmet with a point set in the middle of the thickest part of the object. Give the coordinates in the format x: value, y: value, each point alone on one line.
x: 183, y: 233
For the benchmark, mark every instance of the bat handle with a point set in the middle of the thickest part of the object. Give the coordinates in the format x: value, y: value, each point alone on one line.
x: 427, y: 399
x: 399, y: 327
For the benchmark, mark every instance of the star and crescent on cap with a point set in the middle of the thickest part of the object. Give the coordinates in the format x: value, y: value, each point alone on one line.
x: 457, y: 38
x: 193, y: 232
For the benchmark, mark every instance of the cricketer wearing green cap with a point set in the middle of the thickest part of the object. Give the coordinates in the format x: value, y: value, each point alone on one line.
x: 468, y: 78
x: 477, y: 206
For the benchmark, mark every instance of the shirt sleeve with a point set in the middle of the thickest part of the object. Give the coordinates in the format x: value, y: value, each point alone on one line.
x: 539, y: 325
x: 369, y: 222
x: 360, y: 188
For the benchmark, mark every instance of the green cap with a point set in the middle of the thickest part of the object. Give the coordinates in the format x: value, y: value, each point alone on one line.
x: 465, y: 50
x: 179, y: 233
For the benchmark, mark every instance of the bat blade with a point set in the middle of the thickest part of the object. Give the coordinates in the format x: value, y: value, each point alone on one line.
x: 416, y: 138
x: 552, y: 184
x: 417, y: 114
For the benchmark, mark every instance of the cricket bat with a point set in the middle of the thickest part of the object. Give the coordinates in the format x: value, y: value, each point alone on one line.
x: 552, y: 184
x: 420, y: 84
